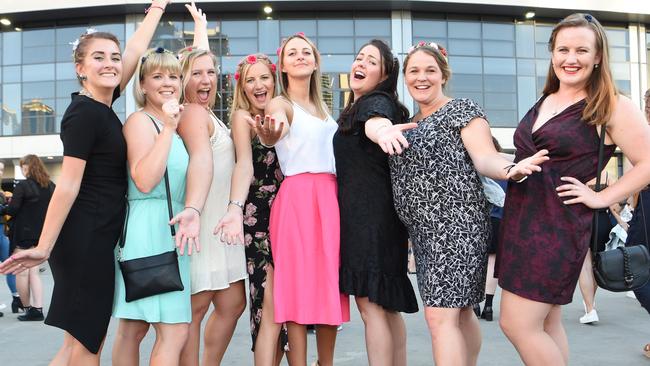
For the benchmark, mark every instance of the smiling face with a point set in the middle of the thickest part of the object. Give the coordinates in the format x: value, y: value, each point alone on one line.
x: 201, y: 85
x: 258, y: 85
x: 366, y: 72
x: 575, y: 55
x: 102, y: 65
x: 159, y: 86
x: 423, y: 78
x: 298, y: 58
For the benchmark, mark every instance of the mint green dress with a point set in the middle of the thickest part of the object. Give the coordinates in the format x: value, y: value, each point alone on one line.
x: 148, y: 234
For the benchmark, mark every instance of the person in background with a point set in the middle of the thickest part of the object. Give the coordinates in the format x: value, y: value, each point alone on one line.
x: 27, y: 209
x: 16, y: 304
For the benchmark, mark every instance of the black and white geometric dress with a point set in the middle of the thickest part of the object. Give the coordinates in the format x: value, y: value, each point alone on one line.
x: 439, y: 197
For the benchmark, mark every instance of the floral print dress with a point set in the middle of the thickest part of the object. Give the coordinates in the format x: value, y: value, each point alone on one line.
x: 266, y: 181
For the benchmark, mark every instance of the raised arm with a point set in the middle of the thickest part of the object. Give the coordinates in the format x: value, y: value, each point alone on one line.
x: 231, y: 225
x: 200, y: 27
x: 65, y: 193
x: 139, y: 42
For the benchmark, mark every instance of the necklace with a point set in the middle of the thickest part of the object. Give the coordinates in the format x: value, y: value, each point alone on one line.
x: 86, y: 93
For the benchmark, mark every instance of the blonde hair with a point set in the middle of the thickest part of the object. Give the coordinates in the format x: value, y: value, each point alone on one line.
x: 187, y: 56
x: 239, y: 99
x: 154, y: 59
x: 601, y: 90
x: 315, y: 89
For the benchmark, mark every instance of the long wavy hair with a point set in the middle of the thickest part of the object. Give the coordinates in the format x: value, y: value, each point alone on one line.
x: 601, y: 89
x: 36, y: 169
x: 315, y: 89
x: 388, y: 87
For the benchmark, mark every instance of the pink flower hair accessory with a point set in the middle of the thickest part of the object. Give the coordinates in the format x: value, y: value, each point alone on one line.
x: 236, y: 75
x: 432, y: 45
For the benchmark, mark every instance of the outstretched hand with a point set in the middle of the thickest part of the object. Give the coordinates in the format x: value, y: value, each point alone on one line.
x: 231, y: 227
x: 197, y: 14
x: 189, y: 226
x: 392, y: 140
x: 24, y: 260
x: 581, y: 193
x: 528, y: 166
x: 269, y: 132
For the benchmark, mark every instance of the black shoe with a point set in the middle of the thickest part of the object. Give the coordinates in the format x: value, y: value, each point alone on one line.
x: 1, y: 314
x: 16, y: 305
x: 32, y: 314
x: 477, y: 310
x: 487, y: 313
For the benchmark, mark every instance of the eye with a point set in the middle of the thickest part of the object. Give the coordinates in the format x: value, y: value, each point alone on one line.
x: 212, y: 72
x: 116, y: 59
x: 173, y: 77
x: 99, y: 58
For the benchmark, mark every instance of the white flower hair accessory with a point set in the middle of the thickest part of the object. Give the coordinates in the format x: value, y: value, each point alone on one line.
x: 433, y: 45
x: 75, y: 43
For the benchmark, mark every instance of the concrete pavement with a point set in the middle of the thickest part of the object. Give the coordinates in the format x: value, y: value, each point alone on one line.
x: 616, y: 340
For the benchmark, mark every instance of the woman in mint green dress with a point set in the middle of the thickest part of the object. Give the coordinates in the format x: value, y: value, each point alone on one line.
x: 149, y: 153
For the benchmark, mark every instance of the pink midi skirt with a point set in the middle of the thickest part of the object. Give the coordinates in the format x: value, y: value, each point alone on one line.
x: 304, y: 231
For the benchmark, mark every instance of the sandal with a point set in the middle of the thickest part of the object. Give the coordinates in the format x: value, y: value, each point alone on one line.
x: 646, y: 350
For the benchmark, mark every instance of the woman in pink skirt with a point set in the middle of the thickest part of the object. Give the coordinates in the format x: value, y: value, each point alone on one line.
x: 304, y: 224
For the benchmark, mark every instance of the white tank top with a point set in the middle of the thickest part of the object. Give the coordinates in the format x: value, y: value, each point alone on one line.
x: 307, y: 147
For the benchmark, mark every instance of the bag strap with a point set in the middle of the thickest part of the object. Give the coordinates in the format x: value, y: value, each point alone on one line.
x: 628, y: 276
x: 645, y: 227
x: 599, y: 169
x: 169, y: 203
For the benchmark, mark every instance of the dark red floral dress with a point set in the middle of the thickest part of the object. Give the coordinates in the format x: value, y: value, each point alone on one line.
x: 543, y: 241
x: 266, y: 181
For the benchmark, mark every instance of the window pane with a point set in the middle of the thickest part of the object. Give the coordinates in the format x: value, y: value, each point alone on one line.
x: 464, y: 47
x: 429, y: 28
x: 525, y: 40
x: 543, y: 33
x: 41, y: 37
x: 500, y: 84
x: 11, y: 48
x: 525, y: 67
x: 502, y: 118
x: 463, y: 82
x: 336, y: 45
x: 620, y: 54
x: 337, y: 63
x: 499, y: 66
x: 358, y: 42
x: 477, y: 97
x: 620, y: 71
x: 66, y: 87
x: 68, y: 34
x: 33, y: 55
x: 38, y: 90
x: 12, y: 112
x: 11, y: 74
x: 336, y: 27
x: 269, y: 36
x: 617, y: 37
x: 500, y: 101
x: 526, y: 94
x: 499, y: 48
x: 504, y: 32
x: 118, y: 29
x: 372, y: 27
x: 465, y: 65
x: 239, y: 28
x: 464, y: 30
x: 242, y: 46
x: 291, y: 27
x: 65, y: 71
x: 38, y: 72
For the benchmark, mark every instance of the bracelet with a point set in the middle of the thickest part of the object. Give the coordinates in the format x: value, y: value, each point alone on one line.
x: 154, y: 7
x: 509, y: 167
x: 236, y: 203
x: 193, y: 208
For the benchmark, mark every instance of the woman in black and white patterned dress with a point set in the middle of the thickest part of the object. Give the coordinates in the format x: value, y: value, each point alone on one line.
x: 439, y: 196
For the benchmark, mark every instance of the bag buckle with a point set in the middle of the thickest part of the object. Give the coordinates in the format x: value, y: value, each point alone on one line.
x: 629, y: 279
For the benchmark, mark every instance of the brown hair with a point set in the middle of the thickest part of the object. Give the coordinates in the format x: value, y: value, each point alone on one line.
x: 239, y: 99
x: 315, y: 89
x: 601, y: 90
x: 79, y: 52
x: 646, y: 98
x: 187, y: 56
x: 36, y: 170
x: 436, y: 53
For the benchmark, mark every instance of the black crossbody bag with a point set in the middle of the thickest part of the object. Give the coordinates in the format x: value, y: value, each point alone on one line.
x: 624, y: 268
x: 153, y: 275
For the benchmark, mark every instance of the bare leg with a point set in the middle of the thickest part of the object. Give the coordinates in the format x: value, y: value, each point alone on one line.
x: 471, y: 331
x: 553, y: 326
x: 448, y: 343
x: 523, y: 322
x: 170, y: 340
x: 200, y: 305
x: 266, y: 344
x: 62, y: 357
x: 22, y: 284
x: 587, y: 283
x: 73, y: 353
x: 126, y: 346
x: 398, y: 332
x: 490, y: 281
x: 325, y: 342
x: 36, y: 287
x: 229, y: 304
x: 379, y: 340
x: 297, y: 355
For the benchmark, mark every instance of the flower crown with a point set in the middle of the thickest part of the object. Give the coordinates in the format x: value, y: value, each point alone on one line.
x: 435, y: 46
x: 157, y: 50
x: 284, y: 40
x: 75, y: 43
x: 252, y: 59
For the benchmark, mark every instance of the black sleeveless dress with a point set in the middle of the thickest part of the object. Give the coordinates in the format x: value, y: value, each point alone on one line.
x: 82, y: 259
x: 543, y: 241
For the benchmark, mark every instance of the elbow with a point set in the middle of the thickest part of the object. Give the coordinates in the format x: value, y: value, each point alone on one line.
x: 143, y: 187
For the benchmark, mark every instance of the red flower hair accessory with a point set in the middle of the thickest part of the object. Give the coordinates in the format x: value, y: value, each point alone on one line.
x: 432, y: 45
x: 236, y: 75
x: 273, y: 68
x: 251, y: 59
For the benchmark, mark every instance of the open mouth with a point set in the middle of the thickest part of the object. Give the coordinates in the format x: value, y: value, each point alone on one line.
x: 203, y: 95
x: 571, y: 69
x: 359, y: 75
x: 422, y: 87
x: 260, y: 96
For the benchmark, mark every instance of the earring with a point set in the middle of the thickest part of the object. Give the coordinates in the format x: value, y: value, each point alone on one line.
x: 596, y: 66
x: 82, y: 77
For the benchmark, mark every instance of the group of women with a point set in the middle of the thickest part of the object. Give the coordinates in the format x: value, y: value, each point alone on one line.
x: 312, y: 210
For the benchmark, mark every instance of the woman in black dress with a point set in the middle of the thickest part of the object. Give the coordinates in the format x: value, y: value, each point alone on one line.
x: 87, y: 209
x: 373, y: 240
x: 27, y: 209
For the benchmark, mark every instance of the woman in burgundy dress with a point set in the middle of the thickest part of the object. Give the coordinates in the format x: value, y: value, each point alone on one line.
x: 547, y: 218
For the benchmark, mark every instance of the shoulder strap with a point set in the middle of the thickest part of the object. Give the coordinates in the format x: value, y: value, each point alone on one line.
x: 599, y: 169
x: 167, y: 194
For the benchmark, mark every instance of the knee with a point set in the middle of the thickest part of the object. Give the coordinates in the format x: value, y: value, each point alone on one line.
x: 507, y: 324
x: 436, y: 323
x: 234, y: 309
x: 133, y: 333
